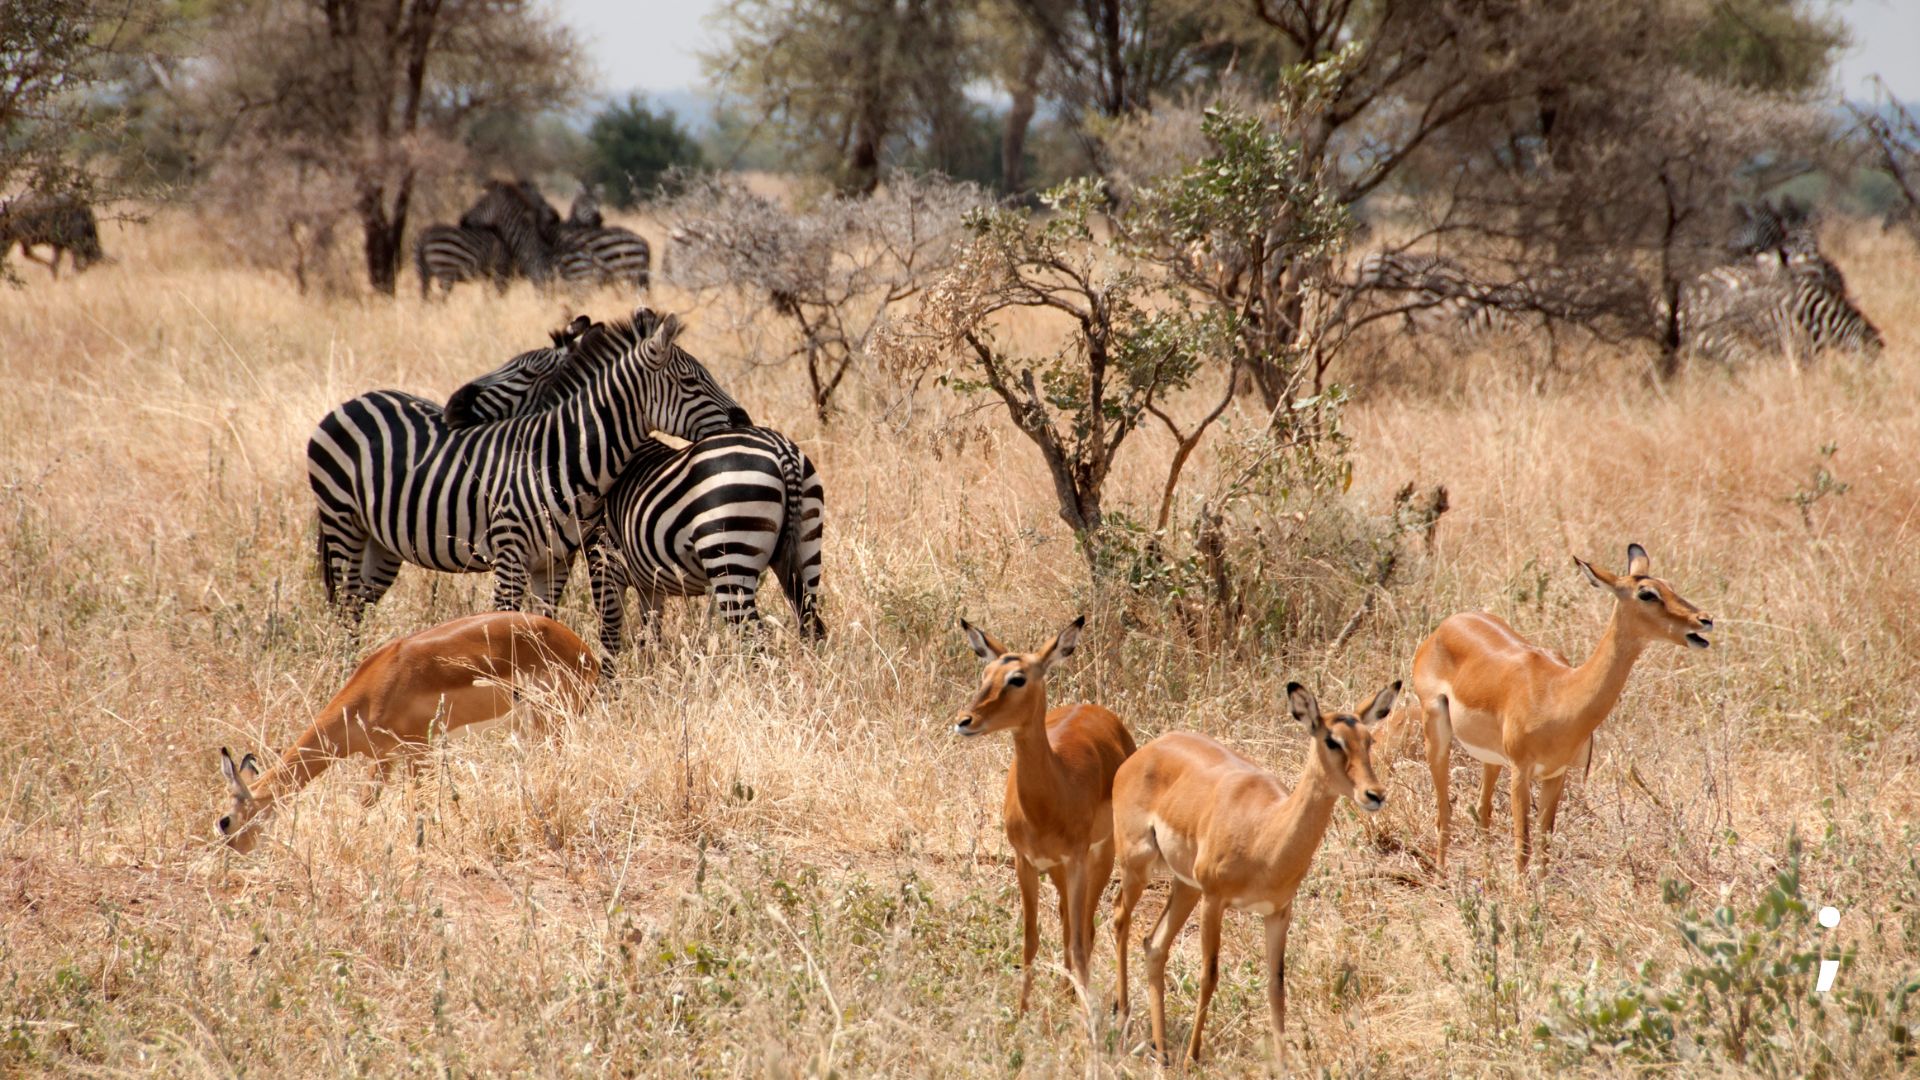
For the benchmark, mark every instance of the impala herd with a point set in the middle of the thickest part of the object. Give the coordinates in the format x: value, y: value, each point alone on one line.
x: 1081, y: 796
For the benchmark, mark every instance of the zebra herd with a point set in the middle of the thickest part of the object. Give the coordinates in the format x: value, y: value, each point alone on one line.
x: 551, y: 454
x: 513, y: 231
x: 1779, y: 294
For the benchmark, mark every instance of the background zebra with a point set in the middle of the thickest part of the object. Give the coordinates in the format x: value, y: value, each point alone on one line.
x: 395, y: 483
x: 712, y: 516
x: 524, y: 220
x: 62, y: 222
x: 1786, y: 297
x: 450, y: 254
x: 603, y: 255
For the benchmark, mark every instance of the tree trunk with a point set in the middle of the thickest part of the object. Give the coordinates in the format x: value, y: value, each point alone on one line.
x: 1013, y: 141
x: 383, y: 232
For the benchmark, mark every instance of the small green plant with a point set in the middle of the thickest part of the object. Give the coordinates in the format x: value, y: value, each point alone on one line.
x: 1820, y: 484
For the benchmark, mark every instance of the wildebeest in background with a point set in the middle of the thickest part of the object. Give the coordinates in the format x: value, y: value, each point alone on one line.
x: 63, y: 222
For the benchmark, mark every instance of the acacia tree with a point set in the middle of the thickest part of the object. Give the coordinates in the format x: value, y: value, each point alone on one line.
x: 377, y: 93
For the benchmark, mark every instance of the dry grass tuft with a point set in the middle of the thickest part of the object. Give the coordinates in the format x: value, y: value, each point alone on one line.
x: 779, y: 861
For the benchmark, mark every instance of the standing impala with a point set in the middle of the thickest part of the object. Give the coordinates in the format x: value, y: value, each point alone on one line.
x: 1059, y: 809
x: 1515, y: 705
x: 1232, y: 836
x: 467, y: 671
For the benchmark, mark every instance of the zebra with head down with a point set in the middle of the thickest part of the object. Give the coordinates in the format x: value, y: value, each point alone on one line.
x: 1785, y: 296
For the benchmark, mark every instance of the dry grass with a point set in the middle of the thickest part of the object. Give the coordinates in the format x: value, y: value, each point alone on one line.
x: 780, y: 861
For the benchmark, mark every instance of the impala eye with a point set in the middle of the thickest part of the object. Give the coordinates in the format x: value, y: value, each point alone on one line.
x: 1017, y: 679
x: 1332, y: 745
x: 1649, y: 596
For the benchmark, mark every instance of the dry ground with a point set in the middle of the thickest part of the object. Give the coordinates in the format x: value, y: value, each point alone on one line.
x: 781, y: 861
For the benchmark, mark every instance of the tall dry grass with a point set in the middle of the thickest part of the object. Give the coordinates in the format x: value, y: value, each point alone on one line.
x: 777, y: 860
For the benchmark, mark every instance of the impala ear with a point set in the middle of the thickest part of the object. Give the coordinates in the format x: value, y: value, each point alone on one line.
x: 1305, y: 708
x: 1381, y: 705
x: 232, y: 774
x: 1601, y: 579
x: 249, y: 767
x: 1637, y: 562
x: 982, y: 642
x: 1062, y: 644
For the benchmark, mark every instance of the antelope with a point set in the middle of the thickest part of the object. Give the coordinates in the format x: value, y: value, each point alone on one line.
x: 1517, y: 706
x: 466, y: 671
x: 1059, y: 808
x: 1232, y: 836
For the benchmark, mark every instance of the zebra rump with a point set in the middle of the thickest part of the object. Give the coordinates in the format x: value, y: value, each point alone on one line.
x: 710, y: 518
x: 603, y: 255
x: 450, y: 254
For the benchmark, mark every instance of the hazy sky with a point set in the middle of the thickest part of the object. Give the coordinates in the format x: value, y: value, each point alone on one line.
x: 650, y: 44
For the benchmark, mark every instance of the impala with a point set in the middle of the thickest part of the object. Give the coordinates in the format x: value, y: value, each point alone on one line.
x: 1059, y: 809
x: 467, y: 671
x: 1232, y: 835
x: 1514, y: 705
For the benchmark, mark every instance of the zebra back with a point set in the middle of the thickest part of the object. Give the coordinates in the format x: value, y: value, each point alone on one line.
x: 603, y: 255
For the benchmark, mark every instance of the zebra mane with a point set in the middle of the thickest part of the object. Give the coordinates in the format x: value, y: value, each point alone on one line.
x: 606, y: 340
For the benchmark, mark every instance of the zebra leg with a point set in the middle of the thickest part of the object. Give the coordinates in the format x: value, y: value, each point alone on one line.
x: 609, y: 583
x: 548, y: 583
x: 735, y: 583
x: 509, y: 577
x: 377, y: 569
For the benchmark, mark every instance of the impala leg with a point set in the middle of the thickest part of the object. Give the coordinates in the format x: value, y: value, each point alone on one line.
x: 1099, y: 873
x: 1181, y: 898
x: 1069, y: 901
x: 1489, y: 779
x: 1133, y: 881
x: 1073, y: 909
x: 1550, y: 792
x: 1439, y: 760
x: 1029, y: 923
x: 1277, y: 926
x: 1210, y: 915
x: 1521, y: 792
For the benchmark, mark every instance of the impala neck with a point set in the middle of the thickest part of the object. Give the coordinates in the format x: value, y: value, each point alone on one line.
x: 1593, y: 689
x: 319, y: 747
x: 1037, y: 777
x: 1301, y: 821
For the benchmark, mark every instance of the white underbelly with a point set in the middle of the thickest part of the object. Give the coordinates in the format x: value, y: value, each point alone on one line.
x: 1484, y: 755
x: 1175, y: 851
x: 1257, y: 907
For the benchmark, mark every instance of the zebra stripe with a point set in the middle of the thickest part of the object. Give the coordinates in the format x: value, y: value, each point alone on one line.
x: 710, y: 518
x: 450, y: 254
x: 1792, y: 302
x: 602, y: 256
x: 1433, y: 292
x: 396, y: 483
x: 523, y: 220
x: 680, y: 522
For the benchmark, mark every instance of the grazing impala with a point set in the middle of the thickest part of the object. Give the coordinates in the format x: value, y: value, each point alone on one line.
x: 1232, y: 836
x: 467, y: 671
x: 1517, y: 706
x: 1059, y: 807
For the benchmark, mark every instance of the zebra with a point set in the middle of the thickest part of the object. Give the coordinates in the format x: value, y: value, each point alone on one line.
x: 450, y: 254
x: 525, y: 222
x: 394, y: 482
x: 608, y: 254
x: 64, y: 223
x: 1787, y: 296
x: 1773, y: 304
x: 712, y: 516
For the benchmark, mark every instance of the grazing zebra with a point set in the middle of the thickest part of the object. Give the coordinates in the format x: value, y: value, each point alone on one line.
x: 712, y: 516
x: 603, y: 255
x: 396, y: 483
x: 450, y: 254
x: 62, y: 222
x: 525, y: 222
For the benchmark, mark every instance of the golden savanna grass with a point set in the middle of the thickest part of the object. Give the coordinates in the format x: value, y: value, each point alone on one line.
x: 778, y: 860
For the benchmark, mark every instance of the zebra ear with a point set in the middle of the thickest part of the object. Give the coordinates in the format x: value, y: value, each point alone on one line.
x: 668, y: 330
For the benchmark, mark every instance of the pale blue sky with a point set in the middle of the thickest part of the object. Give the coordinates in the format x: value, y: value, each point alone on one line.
x: 651, y: 44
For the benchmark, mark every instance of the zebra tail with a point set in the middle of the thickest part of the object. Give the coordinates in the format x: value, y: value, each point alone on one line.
x: 786, y: 550
x: 326, y: 564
